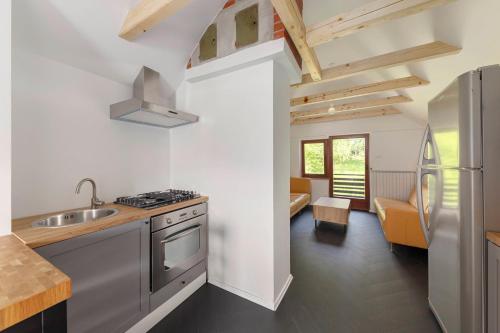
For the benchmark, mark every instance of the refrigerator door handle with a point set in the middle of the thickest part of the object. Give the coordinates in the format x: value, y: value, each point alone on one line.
x: 421, y: 173
x: 427, y: 141
x: 423, y: 160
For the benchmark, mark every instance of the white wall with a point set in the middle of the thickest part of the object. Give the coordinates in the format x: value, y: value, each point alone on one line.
x: 5, y: 116
x: 394, y: 143
x: 61, y: 133
x: 281, y: 167
x: 230, y: 155
x: 84, y: 34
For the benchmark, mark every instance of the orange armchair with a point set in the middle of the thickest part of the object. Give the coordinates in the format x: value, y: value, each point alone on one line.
x: 400, y: 221
x: 300, y: 194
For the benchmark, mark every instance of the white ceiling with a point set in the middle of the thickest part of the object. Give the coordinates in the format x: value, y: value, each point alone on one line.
x: 84, y: 34
x: 472, y: 24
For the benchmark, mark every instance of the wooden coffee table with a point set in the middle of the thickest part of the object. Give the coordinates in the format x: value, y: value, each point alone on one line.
x: 332, y: 210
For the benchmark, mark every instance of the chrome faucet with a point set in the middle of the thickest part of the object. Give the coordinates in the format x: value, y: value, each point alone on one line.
x: 95, y: 202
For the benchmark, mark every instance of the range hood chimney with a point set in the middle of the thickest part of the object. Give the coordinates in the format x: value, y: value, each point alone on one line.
x: 148, y: 105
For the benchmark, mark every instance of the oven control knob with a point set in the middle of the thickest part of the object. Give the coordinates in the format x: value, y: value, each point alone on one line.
x: 195, y: 212
x: 169, y: 220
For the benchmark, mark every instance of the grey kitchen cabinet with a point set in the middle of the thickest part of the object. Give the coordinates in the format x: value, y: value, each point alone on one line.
x: 493, y: 289
x: 51, y: 320
x: 109, y: 270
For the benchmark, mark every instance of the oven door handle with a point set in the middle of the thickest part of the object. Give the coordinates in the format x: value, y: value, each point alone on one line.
x: 184, y: 233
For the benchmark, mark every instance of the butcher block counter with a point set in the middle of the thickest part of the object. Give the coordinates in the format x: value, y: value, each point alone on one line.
x: 36, y: 237
x: 28, y: 283
x: 493, y: 237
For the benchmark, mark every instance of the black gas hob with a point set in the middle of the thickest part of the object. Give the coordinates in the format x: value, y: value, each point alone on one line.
x: 157, y: 199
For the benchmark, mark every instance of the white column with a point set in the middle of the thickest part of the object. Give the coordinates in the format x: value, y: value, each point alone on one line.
x: 281, y: 182
x: 239, y: 155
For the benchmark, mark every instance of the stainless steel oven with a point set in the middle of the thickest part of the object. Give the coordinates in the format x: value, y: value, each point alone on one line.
x: 178, y: 242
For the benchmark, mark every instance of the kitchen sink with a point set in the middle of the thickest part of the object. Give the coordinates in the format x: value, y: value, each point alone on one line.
x: 74, y: 217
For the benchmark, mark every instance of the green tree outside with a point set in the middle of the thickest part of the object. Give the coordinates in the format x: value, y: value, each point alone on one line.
x: 314, y: 158
x: 349, y: 156
x: 348, y: 165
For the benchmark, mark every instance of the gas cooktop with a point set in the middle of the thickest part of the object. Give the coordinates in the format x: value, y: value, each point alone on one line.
x: 157, y: 199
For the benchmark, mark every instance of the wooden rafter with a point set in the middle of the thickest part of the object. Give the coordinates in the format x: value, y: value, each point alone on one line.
x: 377, y: 102
x: 372, y: 13
x: 148, y: 13
x: 289, y: 13
x: 348, y: 115
x: 366, y: 89
x: 406, y: 56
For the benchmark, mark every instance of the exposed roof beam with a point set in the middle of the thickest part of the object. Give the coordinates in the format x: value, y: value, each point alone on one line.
x: 349, y: 115
x: 148, y: 13
x: 392, y: 59
x: 366, y: 89
x: 289, y: 13
x: 377, y: 102
x: 375, y: 12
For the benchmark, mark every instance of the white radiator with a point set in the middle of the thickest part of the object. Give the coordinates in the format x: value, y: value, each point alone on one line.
x: 391, y: 184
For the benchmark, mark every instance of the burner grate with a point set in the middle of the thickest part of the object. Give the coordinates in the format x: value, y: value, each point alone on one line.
x: 157, y: 199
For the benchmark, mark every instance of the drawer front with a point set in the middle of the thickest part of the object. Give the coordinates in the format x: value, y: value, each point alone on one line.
x: 165, y: 293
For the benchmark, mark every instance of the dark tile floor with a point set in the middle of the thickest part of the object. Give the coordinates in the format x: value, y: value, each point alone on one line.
x: 343, y: 282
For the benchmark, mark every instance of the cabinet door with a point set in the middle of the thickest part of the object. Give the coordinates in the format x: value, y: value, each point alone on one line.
x: 51, y: 320
x: 493, y: 291
x: 109, y: 271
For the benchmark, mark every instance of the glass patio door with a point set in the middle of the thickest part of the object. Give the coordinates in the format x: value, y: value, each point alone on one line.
x: 349, y: 169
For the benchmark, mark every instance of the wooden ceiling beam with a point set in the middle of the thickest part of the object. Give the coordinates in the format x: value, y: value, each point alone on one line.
x: 388, y: 60
x: 375, y: 12
x: 362, y: 90
x: 377, y: 102
x: 349, y: 115
x: 289, y: 13
x: 146, y: 14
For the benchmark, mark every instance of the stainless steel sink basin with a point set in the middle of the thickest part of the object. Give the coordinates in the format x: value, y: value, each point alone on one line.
x: 74, y: 217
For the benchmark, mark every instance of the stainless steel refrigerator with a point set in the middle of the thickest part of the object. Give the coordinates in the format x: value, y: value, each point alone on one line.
x: 459, y: 168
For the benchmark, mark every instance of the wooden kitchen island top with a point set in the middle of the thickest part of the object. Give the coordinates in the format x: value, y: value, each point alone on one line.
x: 29, y: 284
x: 36, y: 237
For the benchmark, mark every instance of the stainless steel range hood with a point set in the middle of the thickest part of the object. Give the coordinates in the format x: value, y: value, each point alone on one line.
x: 148, y: 105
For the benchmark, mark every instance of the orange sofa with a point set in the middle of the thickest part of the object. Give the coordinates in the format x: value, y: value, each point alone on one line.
x: 400, y: 221
x: 300, y: 194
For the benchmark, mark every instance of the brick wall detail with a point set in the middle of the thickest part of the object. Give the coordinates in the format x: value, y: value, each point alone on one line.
x: 279, y: 31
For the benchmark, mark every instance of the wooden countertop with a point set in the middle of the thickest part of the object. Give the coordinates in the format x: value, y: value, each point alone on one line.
x: 36, y: 237
x: 493, y: 237
x: 28, y: 283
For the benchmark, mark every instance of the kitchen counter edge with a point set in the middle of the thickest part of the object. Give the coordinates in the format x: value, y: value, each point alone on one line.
x: 29, y: 284
x: 37, y: 237
x: 493, y: 237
